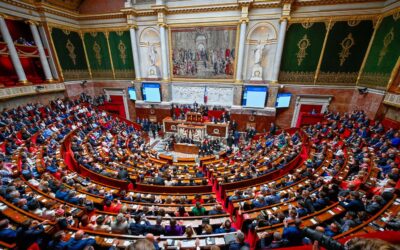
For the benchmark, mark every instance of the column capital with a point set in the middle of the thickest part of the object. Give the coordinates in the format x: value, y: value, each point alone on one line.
x: 284, y: 18
x: 4, y: 16
x: 245, y: 3
x: 162, y: 25
x: 244, y: 20
x: 31, y: 22
x: 133, y: 26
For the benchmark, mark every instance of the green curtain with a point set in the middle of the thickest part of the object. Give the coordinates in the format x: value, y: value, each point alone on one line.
x: 97, y: 53
x: 384, y: 53
x: 344, y: 52
x: 302, y: 48
x: 121, y: 51
x: 70, y: 53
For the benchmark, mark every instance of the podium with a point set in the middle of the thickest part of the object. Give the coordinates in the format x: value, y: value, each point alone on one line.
x: 194, y: 117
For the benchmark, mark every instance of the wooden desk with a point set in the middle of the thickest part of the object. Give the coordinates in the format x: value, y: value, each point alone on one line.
x: 186, y: 148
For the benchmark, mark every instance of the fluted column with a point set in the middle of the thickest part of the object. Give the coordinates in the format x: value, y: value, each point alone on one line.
x: 242, y: 38
x: 42, y: 53
x: 164, y: 55
x: 135, y: 52
x: 12, y: 51
x: 279, y: 50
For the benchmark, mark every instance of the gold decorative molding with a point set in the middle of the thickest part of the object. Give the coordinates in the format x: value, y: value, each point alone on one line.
x: 303, y: 44
x: 346, y: 45
x: 296, y: 77
x: 71, y: 51
x: 338, y: 78
x: 389, y: 37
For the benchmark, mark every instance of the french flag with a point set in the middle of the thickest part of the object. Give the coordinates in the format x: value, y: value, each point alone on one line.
x: 205, y: 95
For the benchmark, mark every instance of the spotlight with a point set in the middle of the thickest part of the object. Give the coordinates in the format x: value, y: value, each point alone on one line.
x: 83, y: 83
x: 362, y: 91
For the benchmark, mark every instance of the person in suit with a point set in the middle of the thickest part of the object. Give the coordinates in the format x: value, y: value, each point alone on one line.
x: 7, y: 234
x: 32, y: 231
x: 123, y: 174
x: 239, y: 242
x: 353, y: 203
x: 157, y: 229
x: 137, y: 227
x: 293, y: 233
x: 79, y: 241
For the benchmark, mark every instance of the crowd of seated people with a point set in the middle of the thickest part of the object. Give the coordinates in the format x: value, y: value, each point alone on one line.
x: 254, y: 158
x: 360, y: 195
x: 107, y: 145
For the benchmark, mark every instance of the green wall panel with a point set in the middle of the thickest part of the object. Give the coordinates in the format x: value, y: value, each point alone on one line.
x: 302, y: 48
x: 344, y: 52
x: 121, y: 51
x: 70, y: 53
x: 384, y: 53
x: 97, y: 53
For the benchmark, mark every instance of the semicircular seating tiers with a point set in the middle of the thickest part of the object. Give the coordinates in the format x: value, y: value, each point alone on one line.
x: 69, y: 167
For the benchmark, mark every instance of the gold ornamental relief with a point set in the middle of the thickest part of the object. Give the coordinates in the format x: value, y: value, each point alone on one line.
x: 71, y: 51
x: 93, y: 34
x: 119, y: 33
x: 353, y: 23
x: 122, y: 51
x: 97, y: 50
x: 307, y: 24
x: 396, y: 16
x: 303, y: 44
x: 386, y: 42
x: 66, y: 32
x: 346, y: 44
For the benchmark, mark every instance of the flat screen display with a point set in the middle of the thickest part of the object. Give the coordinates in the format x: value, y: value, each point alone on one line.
x: 283, y: 100
x: 132, y: 93
x: 254, y: 96
x: 151, y: 92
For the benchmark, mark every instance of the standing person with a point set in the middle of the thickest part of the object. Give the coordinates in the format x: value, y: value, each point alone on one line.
x: 153, y: 128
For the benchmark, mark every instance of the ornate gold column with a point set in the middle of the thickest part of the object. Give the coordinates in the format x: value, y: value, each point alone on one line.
x: 328, y: 26
x: 107, y: 34
x: 86, y: 56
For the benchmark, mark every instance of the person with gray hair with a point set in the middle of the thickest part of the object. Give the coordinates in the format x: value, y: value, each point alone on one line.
x: 120, y: 225
x: 239, y: 242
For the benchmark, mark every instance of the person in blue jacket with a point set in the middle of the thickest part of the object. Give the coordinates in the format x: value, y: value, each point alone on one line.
x: 7, y: 234
x: 78, y: 242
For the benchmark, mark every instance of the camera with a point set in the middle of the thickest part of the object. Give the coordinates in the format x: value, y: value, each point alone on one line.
x: 324, y: 240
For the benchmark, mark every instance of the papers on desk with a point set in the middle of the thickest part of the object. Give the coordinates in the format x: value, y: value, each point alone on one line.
x: 331, y: 212
x: 187, y: 243
x: 109, y: 240
x: 126, y: 243
x: 3, y: 207
x: 313, y: 221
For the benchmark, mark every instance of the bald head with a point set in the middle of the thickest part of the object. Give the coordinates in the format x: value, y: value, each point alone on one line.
x: 79, y: 234
x: 150, y: 237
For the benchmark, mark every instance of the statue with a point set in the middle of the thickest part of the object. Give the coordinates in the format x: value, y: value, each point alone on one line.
x: 152, y: 55
x: 258, y: 53
x: 153, y: 70
x: 256, y: 74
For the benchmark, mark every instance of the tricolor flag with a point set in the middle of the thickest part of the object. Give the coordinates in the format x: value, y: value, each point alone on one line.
x: 205, y: 95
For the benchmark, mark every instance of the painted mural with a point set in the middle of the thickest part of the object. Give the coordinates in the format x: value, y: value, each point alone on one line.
x: 203, y: 52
